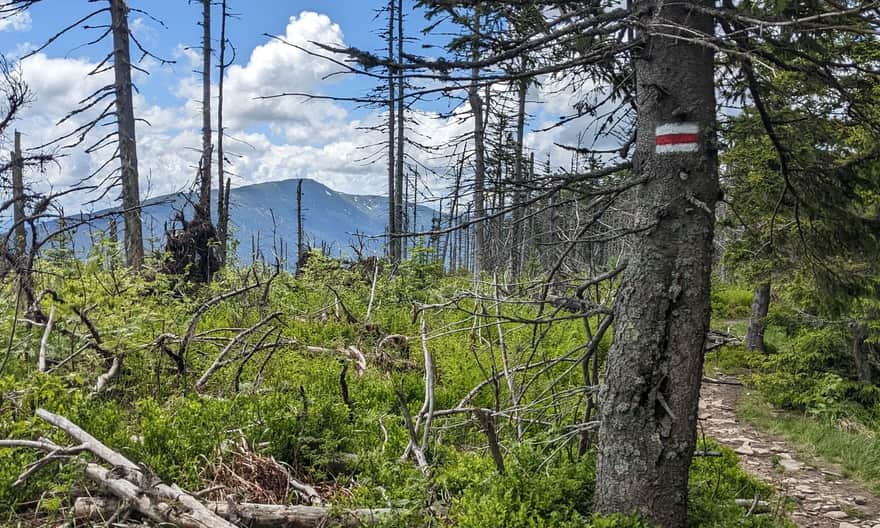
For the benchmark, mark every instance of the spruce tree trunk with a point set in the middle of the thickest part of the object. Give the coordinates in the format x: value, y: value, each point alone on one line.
x: 393, y: 227
x: 476, y: 103
x: 205, y: 183
x: 652, y: 380
x: 861, y: 355
x: 758, y: 319
x: 516, y: 245
x: 400, y: 204
x: 18, y: 197
x: 131, y: 201
x: 222, y: 221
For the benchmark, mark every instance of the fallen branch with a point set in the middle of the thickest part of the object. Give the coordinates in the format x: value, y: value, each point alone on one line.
x: 156, y: 500
x: 105, y: 378
x: 219, y: 361
x: 197, y: 315
x: 256, y: 515
x: 44, y: 341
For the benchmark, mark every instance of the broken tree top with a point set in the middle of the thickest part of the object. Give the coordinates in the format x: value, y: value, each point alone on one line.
x: 672, y: 138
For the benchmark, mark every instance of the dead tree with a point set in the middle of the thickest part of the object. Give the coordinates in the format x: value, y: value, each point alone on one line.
x: 222, y: 202
x: 131, y: 200
x: 204, y: 208
x: 476, y: 104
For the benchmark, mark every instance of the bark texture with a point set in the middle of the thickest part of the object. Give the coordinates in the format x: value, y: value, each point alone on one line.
x: 476, y: 104
x: 652, y: 380
x: 131, y: 201
x: 758, y: 319
x: 204, y: 209
x: 861, y: 354
x: 222, y: 220
x: 18, y: 215
x: 393, y: 227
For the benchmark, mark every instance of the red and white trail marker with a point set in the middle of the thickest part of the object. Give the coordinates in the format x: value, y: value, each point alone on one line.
x: 672, y: 138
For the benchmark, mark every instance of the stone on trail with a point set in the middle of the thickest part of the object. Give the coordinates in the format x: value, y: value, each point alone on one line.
x: 836, y: 514
x: 790, y: 465
x: 744, y: 449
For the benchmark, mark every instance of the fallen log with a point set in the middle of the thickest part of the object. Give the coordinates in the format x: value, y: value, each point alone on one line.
x: 254, y: 515
x: 155, y: 499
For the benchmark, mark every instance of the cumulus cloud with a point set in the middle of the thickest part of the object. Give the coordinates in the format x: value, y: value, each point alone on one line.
x: 267, y: 139
x: 18, y: 22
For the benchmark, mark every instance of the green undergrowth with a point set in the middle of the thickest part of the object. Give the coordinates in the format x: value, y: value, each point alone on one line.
x: 288, y: 404
x: 731, y: 302
x: 843, y: 442
x: 803, y: 390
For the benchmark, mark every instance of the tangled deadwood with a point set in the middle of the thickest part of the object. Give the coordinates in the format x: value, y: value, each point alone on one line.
x: 237, y: 471
x: 193, y: 250
x: 137, y: 493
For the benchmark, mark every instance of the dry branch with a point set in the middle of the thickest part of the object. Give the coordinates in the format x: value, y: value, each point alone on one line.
x: 44, y: 341
x: 257, y: 515
x: 220, y: 361
x: 163, y: 503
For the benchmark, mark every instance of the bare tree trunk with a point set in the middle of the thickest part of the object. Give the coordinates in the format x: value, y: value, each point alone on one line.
x: 414, y: 226
x: 131, y: 201
x: 453, y: 216
x: 393, y: 227
x: 19, y: 199
x: 300, y: 248
x: 22, y: 261
x: 476, y: 104
x: 861, y: 355
x: 649, y: 399
x: 758, y: 319
x: 205, y: 181
x: 516, y: 244
x: 222, y: 220
x: 400, y: 205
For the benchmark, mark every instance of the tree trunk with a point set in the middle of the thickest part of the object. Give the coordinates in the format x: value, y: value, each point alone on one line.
x: 205, y: 181
x: 861, y: 355
x: 19, y: 199
x: 758, y: 319
x: 400, y: 204
x: 300, y: 243
x: 131, y: 201
x: 652, y: 379
x: 222, y: 221
x: 393, y: 240
x: 22, y: 259
x: 476, y: 103
x: 518, y: 214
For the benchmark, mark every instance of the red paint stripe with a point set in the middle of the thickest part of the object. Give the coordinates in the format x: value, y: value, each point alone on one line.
x: 676, y: 139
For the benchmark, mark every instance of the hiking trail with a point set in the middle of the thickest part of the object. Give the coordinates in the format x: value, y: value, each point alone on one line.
x: 822, y: 496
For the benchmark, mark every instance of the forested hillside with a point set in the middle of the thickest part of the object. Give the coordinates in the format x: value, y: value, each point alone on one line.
x: 625, y: 271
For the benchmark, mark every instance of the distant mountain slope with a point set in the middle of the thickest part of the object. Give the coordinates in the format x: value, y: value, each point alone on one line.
x: 330, y: 217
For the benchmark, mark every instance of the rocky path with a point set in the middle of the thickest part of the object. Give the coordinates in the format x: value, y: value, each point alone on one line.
x: 821, y: 496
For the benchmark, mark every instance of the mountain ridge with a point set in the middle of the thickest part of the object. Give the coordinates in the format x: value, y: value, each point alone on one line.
x: 263, y: 215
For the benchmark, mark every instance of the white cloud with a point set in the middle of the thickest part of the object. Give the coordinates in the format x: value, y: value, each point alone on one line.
x: 267, y: 139
x: 18, y: 22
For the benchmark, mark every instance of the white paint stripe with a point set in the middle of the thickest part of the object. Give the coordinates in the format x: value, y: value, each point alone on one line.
x: 677, y: 147
x: 677, y: 128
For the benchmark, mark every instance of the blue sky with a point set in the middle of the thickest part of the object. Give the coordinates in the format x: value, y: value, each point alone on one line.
x: 180, y: 18
x: 267, y: 140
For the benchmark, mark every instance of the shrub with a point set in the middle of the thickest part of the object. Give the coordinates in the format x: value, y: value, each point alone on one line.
x: 729, y: 302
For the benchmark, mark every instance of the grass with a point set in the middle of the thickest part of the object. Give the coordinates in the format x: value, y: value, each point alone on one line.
x: 857, y: 453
